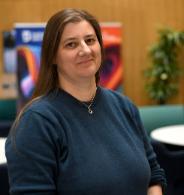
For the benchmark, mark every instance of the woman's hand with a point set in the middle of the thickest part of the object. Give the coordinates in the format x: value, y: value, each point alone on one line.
x: 155, y: 190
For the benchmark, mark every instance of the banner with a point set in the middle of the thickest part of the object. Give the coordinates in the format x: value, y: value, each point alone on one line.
x: 111, y: 76
x: 28, y: 43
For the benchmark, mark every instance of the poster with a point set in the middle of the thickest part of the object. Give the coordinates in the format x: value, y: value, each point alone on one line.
x: 111, y: 76
x: 28, y: 45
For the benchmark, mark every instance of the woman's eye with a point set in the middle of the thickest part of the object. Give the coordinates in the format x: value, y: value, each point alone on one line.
x: 90, y: 41
x: 71, y: 45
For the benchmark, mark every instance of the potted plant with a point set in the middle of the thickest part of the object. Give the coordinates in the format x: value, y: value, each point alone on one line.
x: 162, y: 76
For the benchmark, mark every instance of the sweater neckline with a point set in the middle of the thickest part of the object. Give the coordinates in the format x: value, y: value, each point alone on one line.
x: 67, y: 97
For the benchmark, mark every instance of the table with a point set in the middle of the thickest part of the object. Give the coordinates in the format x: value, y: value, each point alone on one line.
x: 169, y: 135
x: 2, y: 150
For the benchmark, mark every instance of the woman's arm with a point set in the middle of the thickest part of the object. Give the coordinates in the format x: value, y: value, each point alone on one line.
x: 31, y: 156
x: 158, y: 180
x: 155, y: 190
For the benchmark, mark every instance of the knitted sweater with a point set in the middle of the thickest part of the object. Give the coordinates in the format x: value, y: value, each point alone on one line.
x: 60, y: 148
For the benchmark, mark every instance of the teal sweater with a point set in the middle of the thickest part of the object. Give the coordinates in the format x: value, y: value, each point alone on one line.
x: 59, y: 148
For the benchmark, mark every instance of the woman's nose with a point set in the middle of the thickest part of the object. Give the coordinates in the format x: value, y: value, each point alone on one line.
x: 85, y: 49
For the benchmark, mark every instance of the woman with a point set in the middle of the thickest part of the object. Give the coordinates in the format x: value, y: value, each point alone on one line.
x: 75, y: 137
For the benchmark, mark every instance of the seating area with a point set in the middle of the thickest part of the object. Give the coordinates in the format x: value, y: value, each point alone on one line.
x: 7, y: 115
x: 170, y: 157
x: 156, y: 116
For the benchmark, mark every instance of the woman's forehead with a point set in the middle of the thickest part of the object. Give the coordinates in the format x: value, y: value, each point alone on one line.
x: 78, y: 29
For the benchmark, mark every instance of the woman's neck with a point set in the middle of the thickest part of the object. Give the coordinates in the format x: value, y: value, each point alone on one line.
x: 83, y: 92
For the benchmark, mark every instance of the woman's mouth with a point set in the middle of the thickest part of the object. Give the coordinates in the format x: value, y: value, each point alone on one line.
x: 85, y: 61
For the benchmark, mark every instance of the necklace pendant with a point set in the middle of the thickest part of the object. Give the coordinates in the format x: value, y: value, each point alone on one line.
x: 90, y: 111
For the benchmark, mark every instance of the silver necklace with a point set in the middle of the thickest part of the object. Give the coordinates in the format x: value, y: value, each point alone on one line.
x: 88, y: 106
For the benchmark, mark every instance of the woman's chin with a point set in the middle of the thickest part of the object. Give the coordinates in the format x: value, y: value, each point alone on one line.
x: 88, y: 73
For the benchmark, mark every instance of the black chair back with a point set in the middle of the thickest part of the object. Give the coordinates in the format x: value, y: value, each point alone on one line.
x: 4, y: 184
x: 171, y: 159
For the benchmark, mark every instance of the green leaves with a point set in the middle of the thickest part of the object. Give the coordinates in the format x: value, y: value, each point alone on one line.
x: 162, y: 75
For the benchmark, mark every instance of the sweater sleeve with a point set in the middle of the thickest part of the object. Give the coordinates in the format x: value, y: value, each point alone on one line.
x: 31, y: 151
x: 157, y: 173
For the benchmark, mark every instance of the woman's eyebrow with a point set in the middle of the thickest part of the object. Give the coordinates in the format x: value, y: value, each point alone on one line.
x: 75, y: 38
x: 69, y: 39
x: 91, y: 35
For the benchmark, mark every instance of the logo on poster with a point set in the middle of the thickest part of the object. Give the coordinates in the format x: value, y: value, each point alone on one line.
x: 31, y: 36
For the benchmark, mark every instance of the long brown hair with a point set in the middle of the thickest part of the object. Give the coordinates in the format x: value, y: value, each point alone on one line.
x: 48, y: 76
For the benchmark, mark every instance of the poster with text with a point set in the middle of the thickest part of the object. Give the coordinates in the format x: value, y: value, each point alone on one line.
x: 28, y: 46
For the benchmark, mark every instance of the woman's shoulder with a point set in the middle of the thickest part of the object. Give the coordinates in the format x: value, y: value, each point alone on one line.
x: 41, y: 105
x: 119, y: 99
x: 116, y: 96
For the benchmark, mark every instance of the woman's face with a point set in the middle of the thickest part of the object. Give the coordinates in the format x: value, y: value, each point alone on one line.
x: 79, y: 54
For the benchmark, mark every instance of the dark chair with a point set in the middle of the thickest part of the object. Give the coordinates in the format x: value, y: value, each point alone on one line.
x: 4, y: 185
x: 7, y: 109
x: 171, y: 159
x: 5, y: 127
x: 7, y: 115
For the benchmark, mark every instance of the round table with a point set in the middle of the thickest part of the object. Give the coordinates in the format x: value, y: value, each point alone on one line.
x: 2, y: 150
x: 169, y: 135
